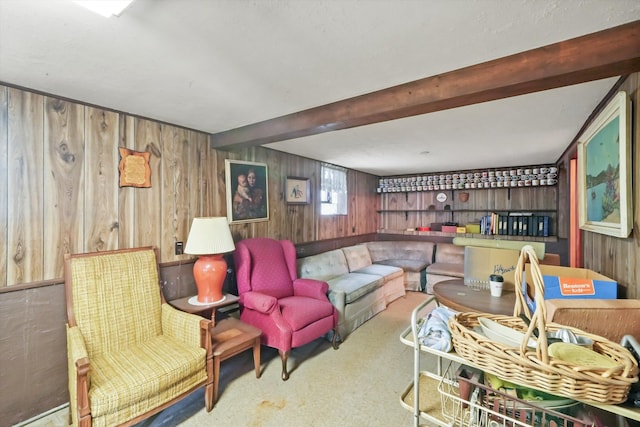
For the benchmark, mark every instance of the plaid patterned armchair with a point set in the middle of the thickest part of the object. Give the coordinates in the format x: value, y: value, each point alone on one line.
x: 130, y: 354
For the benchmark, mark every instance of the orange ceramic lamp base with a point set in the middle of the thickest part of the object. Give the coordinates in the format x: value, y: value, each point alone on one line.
x: 209, y: 272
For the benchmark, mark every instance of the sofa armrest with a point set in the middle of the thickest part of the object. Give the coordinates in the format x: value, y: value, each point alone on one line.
x: 311, y: 288
x: 338, y: 299
x: 75, y: 344
x: 259, y: 302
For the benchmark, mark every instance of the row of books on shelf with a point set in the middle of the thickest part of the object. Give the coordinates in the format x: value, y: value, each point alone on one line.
x: 516, y: 224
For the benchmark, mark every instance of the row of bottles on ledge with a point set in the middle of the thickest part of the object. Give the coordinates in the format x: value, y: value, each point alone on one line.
x: 530, y: 176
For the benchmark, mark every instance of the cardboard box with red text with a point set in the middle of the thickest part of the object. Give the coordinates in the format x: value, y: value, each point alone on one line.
x: 571, y: 283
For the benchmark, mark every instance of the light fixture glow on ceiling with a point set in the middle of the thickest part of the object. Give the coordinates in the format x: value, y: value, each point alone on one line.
x: 106, y: 8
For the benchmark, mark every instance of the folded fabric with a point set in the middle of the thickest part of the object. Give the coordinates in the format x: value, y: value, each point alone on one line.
x: 434, y: 332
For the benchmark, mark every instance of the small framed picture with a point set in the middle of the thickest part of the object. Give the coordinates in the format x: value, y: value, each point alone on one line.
x: 297, y: 191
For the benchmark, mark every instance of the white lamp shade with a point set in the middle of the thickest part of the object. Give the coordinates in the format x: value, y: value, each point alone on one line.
x: 208, y: 236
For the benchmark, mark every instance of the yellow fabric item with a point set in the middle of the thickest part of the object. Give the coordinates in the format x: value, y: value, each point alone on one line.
x: 142, y: 353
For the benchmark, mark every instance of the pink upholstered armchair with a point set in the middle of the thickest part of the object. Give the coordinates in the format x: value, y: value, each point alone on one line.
x: 290, y: 311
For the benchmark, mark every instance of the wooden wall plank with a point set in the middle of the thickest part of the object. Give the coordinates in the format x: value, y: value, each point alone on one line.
x: 217, y: 203
x: 372, y: 202
x: 148, y: 201
x: 212, y: 188
x: 126, y: 195
x: 175, y: 189
x: 25, y: 187
x: 196, y: 167
x: 632, y: 257
x: 270, y: 158
x: 309, y: 169
x: 101, y: 179
x: 4, y: 131
x: 197, y: 189
x: 63, y: 191
x: 353, y: 204
x: 184, y: 144
x: 170, y: 186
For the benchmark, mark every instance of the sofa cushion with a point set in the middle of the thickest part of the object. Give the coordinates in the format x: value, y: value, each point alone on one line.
x: 405, y: 250
x: 357, y: 257
x: 303, y: 311
x: 450, y: 254
x: 446, y: 269
x: 354, y: 285
x: 324, y: 266
x: 386, y: 271
x: 405, y: 264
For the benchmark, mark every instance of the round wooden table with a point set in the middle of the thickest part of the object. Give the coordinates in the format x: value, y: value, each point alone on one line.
x: 460, y: 297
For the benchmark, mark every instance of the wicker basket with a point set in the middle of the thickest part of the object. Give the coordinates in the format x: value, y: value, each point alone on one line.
x: 533, y: 367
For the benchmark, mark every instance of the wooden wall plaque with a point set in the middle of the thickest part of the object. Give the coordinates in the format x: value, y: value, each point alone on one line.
x: 134, y: 168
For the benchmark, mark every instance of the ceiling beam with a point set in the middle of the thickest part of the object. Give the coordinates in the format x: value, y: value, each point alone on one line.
x: 608, y: 53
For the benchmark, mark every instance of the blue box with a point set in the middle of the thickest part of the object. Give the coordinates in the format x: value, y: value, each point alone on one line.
x: 571, y: 283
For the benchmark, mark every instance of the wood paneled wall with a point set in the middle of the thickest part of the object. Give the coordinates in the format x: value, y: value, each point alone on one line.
x: 59, y: 193
x: 615, y: 257
x: 59, y: 187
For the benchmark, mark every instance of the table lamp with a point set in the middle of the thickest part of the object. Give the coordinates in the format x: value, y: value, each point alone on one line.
x: 209, y: 238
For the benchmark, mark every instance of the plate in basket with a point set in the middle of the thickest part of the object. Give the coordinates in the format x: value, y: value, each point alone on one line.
x: 503, y: 334
x: 580, y: 356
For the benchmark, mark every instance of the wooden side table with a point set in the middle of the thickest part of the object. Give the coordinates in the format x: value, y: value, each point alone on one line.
x: 201, y: 309
x: 229, y: 336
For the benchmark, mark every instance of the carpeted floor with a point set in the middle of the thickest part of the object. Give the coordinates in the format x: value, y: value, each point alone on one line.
x: 359, y: 384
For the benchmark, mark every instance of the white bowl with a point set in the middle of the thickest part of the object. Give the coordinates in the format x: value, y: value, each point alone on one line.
x: 503, y: 334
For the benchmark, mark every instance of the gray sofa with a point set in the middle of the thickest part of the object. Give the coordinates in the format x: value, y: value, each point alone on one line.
x: 363, y: 279
x: 357, y: 296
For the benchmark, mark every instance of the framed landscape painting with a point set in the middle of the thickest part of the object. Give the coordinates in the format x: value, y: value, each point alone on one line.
x: 247, y: 191
x: 604, y: 171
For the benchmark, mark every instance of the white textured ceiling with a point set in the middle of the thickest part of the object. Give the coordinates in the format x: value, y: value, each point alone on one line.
x: 216, y: 65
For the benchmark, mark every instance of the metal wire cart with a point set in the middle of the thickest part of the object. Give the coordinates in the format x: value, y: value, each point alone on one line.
x: 451, y: 393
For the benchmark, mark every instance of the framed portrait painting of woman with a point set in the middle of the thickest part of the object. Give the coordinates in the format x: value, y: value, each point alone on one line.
x: 247, y: 197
